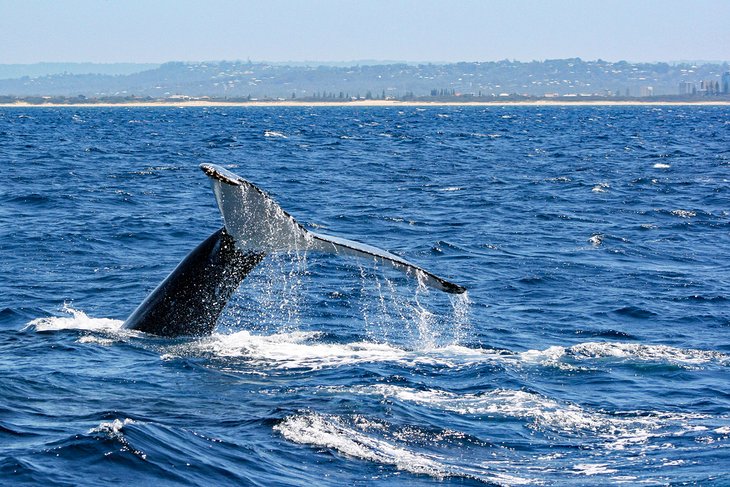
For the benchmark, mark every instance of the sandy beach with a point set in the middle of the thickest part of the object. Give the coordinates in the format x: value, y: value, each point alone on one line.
x: 369, y: 103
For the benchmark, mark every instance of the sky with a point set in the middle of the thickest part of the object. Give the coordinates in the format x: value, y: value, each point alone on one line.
x: 156, y: 31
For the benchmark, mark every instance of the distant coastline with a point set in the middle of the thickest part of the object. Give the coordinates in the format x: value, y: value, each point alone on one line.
x: 482, y: 81
x: 366, y: 103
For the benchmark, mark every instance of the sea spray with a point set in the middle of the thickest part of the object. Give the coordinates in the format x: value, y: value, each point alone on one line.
x: 394, y: 311
x: 77, y: 320
x: 271, y: 298
x: 460, y: 307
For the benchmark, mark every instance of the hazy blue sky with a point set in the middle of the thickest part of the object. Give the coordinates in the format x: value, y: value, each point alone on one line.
x: 344, y: 30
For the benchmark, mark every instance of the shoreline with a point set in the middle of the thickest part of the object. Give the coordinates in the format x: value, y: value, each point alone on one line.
x: 366, y: 104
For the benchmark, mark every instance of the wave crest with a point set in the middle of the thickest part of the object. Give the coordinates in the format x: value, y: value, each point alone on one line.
x: 77, y: 321
x: 352, y: 440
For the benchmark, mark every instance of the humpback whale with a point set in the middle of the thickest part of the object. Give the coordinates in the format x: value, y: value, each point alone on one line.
x: 190, y: 299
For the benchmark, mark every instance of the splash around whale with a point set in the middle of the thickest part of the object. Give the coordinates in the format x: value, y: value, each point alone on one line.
x: 190, y: 300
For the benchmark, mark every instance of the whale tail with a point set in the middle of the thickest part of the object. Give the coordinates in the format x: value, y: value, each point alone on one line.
x: 258, y: 224
x: 190, y: 300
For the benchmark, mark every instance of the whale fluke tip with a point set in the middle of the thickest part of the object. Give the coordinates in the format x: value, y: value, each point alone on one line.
x: 221, y: 174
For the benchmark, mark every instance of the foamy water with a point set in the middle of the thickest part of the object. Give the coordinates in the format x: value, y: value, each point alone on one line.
x: 77, y: 320
x: 355, y: 438
x: 305, y: 349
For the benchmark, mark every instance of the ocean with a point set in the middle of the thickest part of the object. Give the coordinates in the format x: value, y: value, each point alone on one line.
x: 592, y: 346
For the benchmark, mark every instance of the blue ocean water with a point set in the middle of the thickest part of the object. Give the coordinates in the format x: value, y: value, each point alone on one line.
x: 592, y: 347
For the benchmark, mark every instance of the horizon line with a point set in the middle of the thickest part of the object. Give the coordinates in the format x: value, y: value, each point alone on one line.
x: 355, y: 62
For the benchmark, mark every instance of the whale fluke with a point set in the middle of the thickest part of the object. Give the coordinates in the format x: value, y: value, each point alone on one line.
x: 243, y: 205
x: 190, y: 300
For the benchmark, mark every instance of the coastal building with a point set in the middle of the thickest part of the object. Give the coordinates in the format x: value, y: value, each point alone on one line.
x: 687, y: 88
x: 709, y: 87
x: 725, y: 84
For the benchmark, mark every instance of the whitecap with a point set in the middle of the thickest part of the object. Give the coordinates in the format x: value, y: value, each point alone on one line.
x: 105, y: 342
x: 302, y: 350
x: 333, y: 432
x: 596, y: 239
x: 542, y: 413
x: 661, y: 165
x: 634, y: 352
x: 77, y: 321
x: 684, y: 213
x: 112, y: 428
x: 592, y: 469
x: 330, y: 432
x: 641, y: 352
x: 273, y: 133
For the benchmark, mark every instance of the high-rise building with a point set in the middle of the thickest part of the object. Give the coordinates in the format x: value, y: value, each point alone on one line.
x: 725, y: 85
x: 709, y: 87
x: 686, y: 88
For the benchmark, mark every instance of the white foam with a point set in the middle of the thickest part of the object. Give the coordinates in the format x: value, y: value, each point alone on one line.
x: 298, y: 349
x: 112, y: 428
x: 105, y: 342
x: 592, y: 469
x: 661, y: 165
x: 334, y: 433
x: 301, y: 350
x: 273, y: 133
x: 684, y: 213
x: 77, y: 321
x: 551, y: 356
x: 489, y: 136
x: 330, y: 432
x: 557, y: 356
x: 637, y: 351
x: 596, y: 239
x: 542, y: 413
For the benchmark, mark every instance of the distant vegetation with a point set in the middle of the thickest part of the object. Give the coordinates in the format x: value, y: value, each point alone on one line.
x: 242, y: 81
x: 10, y: 71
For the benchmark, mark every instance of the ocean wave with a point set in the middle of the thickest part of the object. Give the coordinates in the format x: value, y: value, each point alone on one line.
x: 626, y: 352
x: 302, y: 350
x: 113, y: 430
x: 684, y: 213
x: 352, y: 440
x: 299, y: 349
x: 77, y: 321
x: 616, y: 430
x: 104, y: 342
